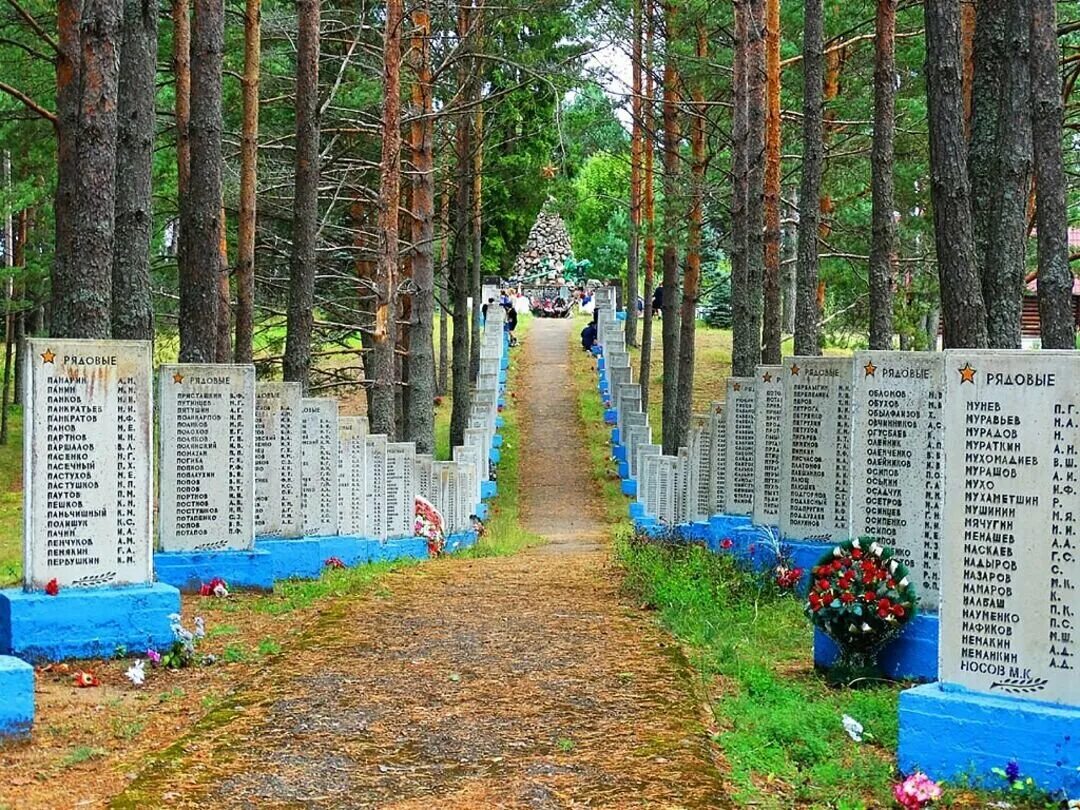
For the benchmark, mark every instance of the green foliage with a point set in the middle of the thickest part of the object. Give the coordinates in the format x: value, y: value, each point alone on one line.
x: 716, y: 296
x: 598, y: 217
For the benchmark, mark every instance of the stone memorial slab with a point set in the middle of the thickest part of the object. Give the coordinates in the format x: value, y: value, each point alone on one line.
x: 425, y: 482
x: 699, y: 444
x: 375, y: 491
x: 815, y: 459
x: 644, y: 451
x: 319, y: 465
x: 666, y: 487
x: 479, y: 439
x: 206, y: 454
x: 352, y: 474
x: 636, y: 435
x: 718, y: 462
x: 444, y: 474
x: 470, y: 456
x: 682, y: 486
x: 740, y: 427
x: 896, y: 459
x: 400, y: 488
x: 88, y: 463
x: 277, y: 472
x: 768, y: 415
x: 467, y: 497
x: 1010, y: 579
x: 627, y: 400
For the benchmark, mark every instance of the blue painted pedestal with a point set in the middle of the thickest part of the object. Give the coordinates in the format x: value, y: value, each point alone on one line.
x: 695, y: 532
x: 188, y: 570
x: 293, y: 557
x: 637, y: 510
x: 494, y: 455
x: 401, y: 547
x: 912, y: 655
x: 489, y: 489
x: 720, y: 528
x: 496, y: 440
x: 86, y: 622
x: 460, y: 541
x: 350, y: 550
x: 629, y: 487
x: 17, y: 705
x: 611, y: 416
x: 953, y: 734
x: 482, y: 511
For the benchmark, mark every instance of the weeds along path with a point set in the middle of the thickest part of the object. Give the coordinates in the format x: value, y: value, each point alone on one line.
x: 517, y: 681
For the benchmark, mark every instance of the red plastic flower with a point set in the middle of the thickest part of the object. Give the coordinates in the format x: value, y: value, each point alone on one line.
x: 726, y: 543
x: 333, y: 562
x: 52, y: 588
x: 847, y: 598
x: 85, y: 679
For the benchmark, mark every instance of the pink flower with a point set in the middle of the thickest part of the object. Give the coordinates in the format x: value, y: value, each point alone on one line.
x: 916, y: 791
x: 154, y: 657
x: 726, y: 543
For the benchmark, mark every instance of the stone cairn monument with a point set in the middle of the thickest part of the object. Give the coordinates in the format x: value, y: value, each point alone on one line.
x: 965, y: 462
x: 546, y: 248
x: 255, y: 484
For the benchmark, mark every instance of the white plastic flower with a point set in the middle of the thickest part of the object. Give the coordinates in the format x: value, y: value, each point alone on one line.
x: 200, y: 627
x: 903, y: 583
x: 866, y: 628
x: 876, y: 549
x: 855, y: 543
x: 853, y: 728
x: 136, y: 673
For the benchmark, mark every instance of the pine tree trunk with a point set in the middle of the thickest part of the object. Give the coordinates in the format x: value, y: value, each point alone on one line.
x: 744, y: 345
x: 1058, y: 328
x: 755, y: 188
x: 807, y: 314
x: 649, y: 207
x: 692, y: 277
x: 671, y: 303
x: 883, y: 205
x: 789, y: 249
x: 419, y: 416
x: 475, y: 287
x: 444, y: 273
x: 962, y: 307
x: 223, y: 352
x: 771, y: 278
x: 633, y: 254
x: 460, y: 282
x: 132, y: 310
x: 23, y: 318
x: 382, y: 414
x: 201, y: 228
x: 65, y: 275
x: 181, y: 68
x: 82, y: 301
x: 249, y: 156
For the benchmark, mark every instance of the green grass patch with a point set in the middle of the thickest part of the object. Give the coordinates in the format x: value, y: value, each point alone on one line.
x: 11, y: 502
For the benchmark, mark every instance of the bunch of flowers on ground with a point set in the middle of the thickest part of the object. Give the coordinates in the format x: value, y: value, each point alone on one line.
x: 334, y: 563
x: 215, y: 587
x: 861, y: 597
x: 429, y: 525
x: 916, y: 791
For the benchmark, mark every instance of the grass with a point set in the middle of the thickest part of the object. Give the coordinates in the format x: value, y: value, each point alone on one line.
x: 81, y: 754
x: 11, y: 502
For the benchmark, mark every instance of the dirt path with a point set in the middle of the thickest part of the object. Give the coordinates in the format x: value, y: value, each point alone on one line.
x: 519, y: 681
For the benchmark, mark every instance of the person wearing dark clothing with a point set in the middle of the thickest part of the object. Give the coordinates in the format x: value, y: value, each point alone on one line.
x: 588, y: 336
x: 483, y: 309
x: 511, y: 323
x: 658, y: 299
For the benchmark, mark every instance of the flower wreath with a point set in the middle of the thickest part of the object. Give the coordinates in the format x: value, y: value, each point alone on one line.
x: 429, y: 524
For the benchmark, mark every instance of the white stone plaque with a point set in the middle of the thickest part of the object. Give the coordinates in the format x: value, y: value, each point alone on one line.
x: 87, y: 463
x: 319, y: 465
x: 400, y: 489
x: 278, y: 482
x: 718, y: 463
x: 741, y: 445
x: 375, y: 491
x: 645, y: 485
x: 699, y: 443
x: 768, y: 414
x: 206, y: 446
x: 815, y: 460
x: 352, y: 474
x: 1010, y: 573
x: 896, y: 459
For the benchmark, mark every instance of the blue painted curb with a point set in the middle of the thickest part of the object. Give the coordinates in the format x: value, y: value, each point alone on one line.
x: 17, y: 707
x: 601, y: 363
x: 494, y: 455
x: 496, y: 440
x: 86, y: 622
x: 620, y: 315
x: 502, y: 403
x: 623, y: 467
x: 615, y: 436
x: 482, y: 511
x: 913, y: 655
x: 637, y: 510
x: 402, y: 547
x: 953, y: 734
x: 696, y: 532
x: 721, y: 526
x: 598, y: 351
x: 618, y: 452
x: 489, y: 489
x: 611, y: 416
x: 460, y: 541
x: 188, y: 570
x: 629, y: 487
x: 294, y: 557
x: 500, y: 422
x: 350, y: 550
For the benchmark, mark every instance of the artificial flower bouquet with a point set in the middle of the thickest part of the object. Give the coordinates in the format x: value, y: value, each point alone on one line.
x: 428, y: 523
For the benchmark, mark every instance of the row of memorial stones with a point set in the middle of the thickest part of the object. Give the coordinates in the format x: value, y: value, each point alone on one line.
x: 236, y: 459
x: 965, y: 462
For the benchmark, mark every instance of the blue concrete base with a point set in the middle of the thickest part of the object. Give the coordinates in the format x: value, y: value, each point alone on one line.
x: 188, y: 570
x: 460, y: 541
x: 629, y: 486
x: 17, y: 687
x: 86, y: 622
x: 721, y: 526
x: 496, y: 440
x: 488, y: 489
x: 620, y: 315
x: 294, y: 557
x: 350, y: 550
x: 598, y: 351
x: 402, y: 547
x: 502, y: 377
x: 618, y: 452
x: 500, y: 422
x: 623, y: 465
x: 482, y: 511
x: 637, y: 510
x: 953, y: 734
x: 601, y: 361
x: 501, y: 402
x: 912, y: 655
x: 494, y: 455
x: 696, y: 532
x: 611, y: 416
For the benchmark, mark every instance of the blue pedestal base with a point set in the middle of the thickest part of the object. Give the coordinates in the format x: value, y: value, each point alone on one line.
x: 912, y: 655
x: 611, y: 416
x: 720, y: 528
x: 188, y: 570
x: 629, y: 487
x: 402, y: 547
x: 623, y: 466
x: 637, y: 510
x: 500, y: 422
x: 350, y: 550
x: 86, y: 622
x: 294, y: 557
x: 460, y: 541
x: 618, y: 452
x: 489, y: 489
x: 620, y: 315
x: 483, y: 511
x: 952, y: 734
x: 17, y: 687
x: 496, y: 440
x: 494, y: 455
x: 696, y: 532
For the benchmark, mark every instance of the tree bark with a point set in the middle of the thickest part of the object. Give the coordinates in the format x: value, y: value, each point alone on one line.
x: 755, y: 191
x: 807, y: 313
x: 444, y: 270
x: 633, y: 254
x: 382, y: 414
x: 671, y: 303
x: 771, y: 278
x: 132, y: 310
x: 475, y: 287
x: 302, y: 261
x: 692, y: 274
x: 201, y: 228
x: 65, y: 275
x: 22, y: 320
x: 460, y: 282
x: 883, y: 205
x: 744, y: 346
x: 789, y: 249
x: 249, y: 155
x: 223, y: 352
x: 419, y: 416
x: 1058, y: 327
x: 962, y: 306
x: 649, y: 206
x: 181, y: 64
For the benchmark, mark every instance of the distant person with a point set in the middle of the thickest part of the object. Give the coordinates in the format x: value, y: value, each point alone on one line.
x: 483, y: 309
x: 658, y: 300
x: 511, y: 323
x: 588, y: 336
